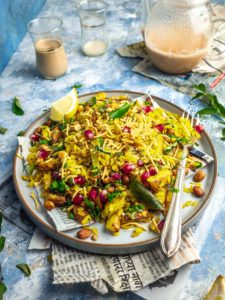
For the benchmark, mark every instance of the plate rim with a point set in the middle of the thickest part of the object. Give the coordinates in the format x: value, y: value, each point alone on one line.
x: 51, y: 230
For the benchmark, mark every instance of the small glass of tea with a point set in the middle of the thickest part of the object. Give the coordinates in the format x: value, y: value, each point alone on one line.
x: 51, y: 57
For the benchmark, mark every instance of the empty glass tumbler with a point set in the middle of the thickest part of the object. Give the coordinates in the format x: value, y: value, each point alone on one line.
x: 92, y: 14
x: 50, y: 53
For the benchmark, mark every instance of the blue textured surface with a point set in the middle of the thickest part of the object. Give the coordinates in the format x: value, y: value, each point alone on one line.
x: 14, y: 16
x: 107, y: 72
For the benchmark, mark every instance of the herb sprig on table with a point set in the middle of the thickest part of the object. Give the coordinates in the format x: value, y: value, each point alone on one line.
x: 214, y: 107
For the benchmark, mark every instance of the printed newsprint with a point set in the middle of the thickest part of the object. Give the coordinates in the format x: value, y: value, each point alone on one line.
x: 213, y: 64
x: 121, y: 273
x: 138, y: 272
x: 59, y: 217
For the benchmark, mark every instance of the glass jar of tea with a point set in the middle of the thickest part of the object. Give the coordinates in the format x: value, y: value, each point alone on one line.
x: 178, y: 34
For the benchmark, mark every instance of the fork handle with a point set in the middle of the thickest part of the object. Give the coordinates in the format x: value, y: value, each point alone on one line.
x: 171, y: 233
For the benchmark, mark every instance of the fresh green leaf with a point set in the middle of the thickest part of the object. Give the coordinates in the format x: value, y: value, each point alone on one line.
x: 206, y: 111
x: 54, y: 185
x: 2, y: 243
x: 21, y: 133
x: 31, y: 169
x: 62, y: 186
x: 71, y: 216
x: 100, y: 141
x: 97, y: 148
x: 24, y: 268
x: 174, y: 190
x: 93, y: 101
x: 95, y: 171
x: 62, y: 126
x: 89, y: 204
x: 77, y: 86
x: 170, y: 148
x: 113, y: 195
x: 16, y: 107
x: 3, y: 130
x: 223, y: 132
x: 135, y: 208
x: 222, y: 123
x: 198, y: 95
x: 3, y: 289
x: 120, y: 112
x: 223, y: 138
x: 43, y: 142
x: 200, y: 87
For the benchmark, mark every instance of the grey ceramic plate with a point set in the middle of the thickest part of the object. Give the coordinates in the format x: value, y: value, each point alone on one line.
x: 124, y: 243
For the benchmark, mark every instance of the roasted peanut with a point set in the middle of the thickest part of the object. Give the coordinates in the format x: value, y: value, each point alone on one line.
x: 125, y: 179
x: 49, y: 205
x: 186, y: 171
x: 198, y: 192
x: 56, y: 199
x: 37, y: 130
x: 84, y: 234
x: 111, y: 189
x: 199, y: 176
x: 94, y: 237
x: 170, y: 131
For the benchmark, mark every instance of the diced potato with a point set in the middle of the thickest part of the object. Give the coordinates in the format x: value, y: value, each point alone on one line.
x: 161, y: 195
x: 113, y: 222
x: 159, y: 180
x: 111, y: 207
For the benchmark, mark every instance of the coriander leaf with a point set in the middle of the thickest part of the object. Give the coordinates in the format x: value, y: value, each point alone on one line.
x: 24, y: 268
x: 100, y: 141
x: 77, y: 86
x: 21, y: 133
x: 95, y: 213
x: 16, y: 107
x: 89, y: 204
x: 54, y: 185
x: 43, y: 142
x: 113, y: 195
x: 3, y: 130
x: 207, y: 111
x: 2, y: 243
x: 71, y: 216
x: 3, y: 289
x: 174, y: 190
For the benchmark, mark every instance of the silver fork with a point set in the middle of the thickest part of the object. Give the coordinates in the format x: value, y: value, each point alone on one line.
x: 171, y: 233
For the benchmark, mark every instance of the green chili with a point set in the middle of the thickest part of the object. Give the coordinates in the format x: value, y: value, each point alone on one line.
x: 120, y: 112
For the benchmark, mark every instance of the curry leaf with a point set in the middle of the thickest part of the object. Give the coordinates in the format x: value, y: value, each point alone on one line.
x: 3, y: 130
x: 198, y: 95
x: 2, y: 243
x: 24, y: 268
x: 200, y: 87
x: 16, y: 107
x: 223, y: 132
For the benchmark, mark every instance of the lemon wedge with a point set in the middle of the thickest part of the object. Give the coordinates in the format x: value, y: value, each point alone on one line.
x: 64, y: 107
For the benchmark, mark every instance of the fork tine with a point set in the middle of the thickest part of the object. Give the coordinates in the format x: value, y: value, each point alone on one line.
x: 197, y: 119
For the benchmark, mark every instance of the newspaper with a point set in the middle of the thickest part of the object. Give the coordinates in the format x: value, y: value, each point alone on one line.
x: 121, y: 273
x: 212, y: 65
x: 59, y: 217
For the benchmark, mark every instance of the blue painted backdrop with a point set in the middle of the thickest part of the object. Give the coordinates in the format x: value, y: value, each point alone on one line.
x: 14, y: 15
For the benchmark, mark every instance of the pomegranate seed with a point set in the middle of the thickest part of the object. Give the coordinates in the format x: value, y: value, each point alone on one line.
x: 93, y: 194
x: 126, y: 129
x: 199, y: 128
x: 116, y: 176
x: 43, y: 153
x: 78, y: 198
x: 103, y: 196
x: 148, y: 109
x: 89, y: 134
x: 56, y: 175
x: 145, y: 176
x: 152, y: 171
x: 34, y: 137
x: 128, y: 168
x: 160, y: 127
x: 140, y: 163
x: 79, y: 180
x: 161, y: 224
